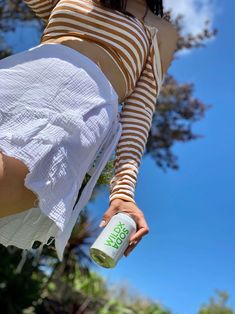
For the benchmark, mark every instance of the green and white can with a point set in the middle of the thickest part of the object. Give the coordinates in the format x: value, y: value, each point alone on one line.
x: 112, y: 242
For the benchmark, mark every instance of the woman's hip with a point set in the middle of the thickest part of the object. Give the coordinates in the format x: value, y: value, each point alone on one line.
x: 52, y: 84
x: 55, y: 72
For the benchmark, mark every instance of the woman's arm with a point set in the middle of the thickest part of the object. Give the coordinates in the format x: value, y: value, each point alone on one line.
x: 136, y: 118
x: 42, y: 8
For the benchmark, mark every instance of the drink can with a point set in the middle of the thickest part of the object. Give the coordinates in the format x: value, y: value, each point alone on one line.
x: 112, y: 242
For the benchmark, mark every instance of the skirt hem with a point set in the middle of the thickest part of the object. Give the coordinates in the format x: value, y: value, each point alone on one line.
x: 36, y: 217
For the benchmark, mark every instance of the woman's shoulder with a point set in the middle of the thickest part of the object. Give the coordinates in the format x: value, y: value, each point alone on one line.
x: 167, y: 33
x: 165, y: 28
x: 168, y: 37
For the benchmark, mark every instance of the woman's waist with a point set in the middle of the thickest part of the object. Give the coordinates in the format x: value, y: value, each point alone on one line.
x: 100, y: 57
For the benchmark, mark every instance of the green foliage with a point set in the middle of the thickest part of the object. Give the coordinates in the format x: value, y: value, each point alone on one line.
x: 90, y: 284
x: 18, y: 289
x: 71, y: 288
x: 107, y: 173
x: 217, y: 305
x: 32, y: 284
x: 89, y: 293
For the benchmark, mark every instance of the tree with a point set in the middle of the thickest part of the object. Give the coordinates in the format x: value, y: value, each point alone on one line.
x: 18, y: 289
x: 91, y: 294
x: 172, y: 121
x: 217, y: 305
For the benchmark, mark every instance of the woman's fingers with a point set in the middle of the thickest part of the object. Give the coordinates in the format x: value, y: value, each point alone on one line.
x: 108, y: 215
x: 130, y: 208
x: 142, y: 229
x: 131, y: 247
x: 139, y: 234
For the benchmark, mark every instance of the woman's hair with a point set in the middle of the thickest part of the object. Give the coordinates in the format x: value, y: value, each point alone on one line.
x: 120, y: 5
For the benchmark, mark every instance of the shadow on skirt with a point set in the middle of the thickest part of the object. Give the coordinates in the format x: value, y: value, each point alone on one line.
x: 58, y: 112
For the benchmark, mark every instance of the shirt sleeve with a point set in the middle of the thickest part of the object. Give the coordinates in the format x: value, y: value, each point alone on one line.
x: 42, y: 8
x: 136, y: 119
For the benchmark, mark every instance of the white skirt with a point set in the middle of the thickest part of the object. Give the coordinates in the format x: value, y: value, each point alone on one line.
x: 59, y: 115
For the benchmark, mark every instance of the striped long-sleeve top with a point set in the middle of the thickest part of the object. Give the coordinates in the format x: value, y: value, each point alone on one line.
x: 133, y: 46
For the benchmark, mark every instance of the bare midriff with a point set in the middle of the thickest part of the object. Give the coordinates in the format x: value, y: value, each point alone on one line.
x: 100, y: 57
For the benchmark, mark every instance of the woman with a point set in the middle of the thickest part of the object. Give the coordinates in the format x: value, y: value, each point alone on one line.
x: 59, y: 116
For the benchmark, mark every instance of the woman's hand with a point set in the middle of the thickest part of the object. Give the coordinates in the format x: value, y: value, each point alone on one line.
x: 119, y: 205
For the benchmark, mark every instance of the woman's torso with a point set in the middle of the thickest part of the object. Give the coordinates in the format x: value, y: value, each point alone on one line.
x: 105, y: 61
x: 100, y: 57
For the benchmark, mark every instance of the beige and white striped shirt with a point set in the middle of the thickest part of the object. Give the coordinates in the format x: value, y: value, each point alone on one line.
x: 133, y: 46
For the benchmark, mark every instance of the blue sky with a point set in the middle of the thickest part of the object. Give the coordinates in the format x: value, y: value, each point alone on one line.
x: 190, y: 250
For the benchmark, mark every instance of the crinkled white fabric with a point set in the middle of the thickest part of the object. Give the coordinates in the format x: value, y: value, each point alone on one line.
x: 57, y: 112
